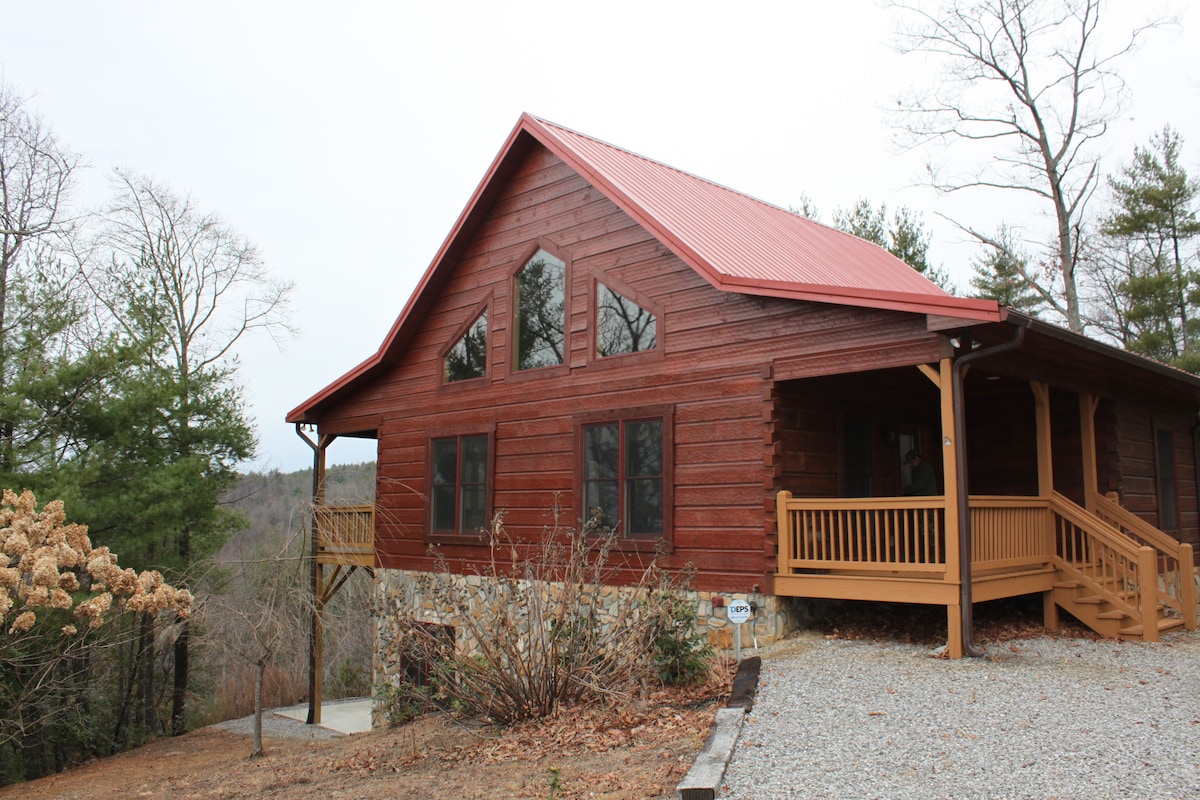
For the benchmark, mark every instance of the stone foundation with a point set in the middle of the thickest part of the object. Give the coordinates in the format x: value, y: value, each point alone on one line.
x: 423, y: 597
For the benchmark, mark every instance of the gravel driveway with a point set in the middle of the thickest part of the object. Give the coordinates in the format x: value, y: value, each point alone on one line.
x: 1036, y: 718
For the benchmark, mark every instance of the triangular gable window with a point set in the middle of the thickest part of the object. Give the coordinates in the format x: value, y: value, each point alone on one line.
x: 467, y: 359
x: 622, y: 326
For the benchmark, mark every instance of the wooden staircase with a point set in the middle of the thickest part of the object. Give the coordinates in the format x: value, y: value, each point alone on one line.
x: 1118, y: 575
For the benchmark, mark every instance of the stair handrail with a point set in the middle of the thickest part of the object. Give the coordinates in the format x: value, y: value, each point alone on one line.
x: 1143, y: 576
x: 1180, y: 591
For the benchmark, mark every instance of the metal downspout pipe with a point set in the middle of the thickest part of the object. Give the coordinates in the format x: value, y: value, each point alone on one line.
x: 964, y: 500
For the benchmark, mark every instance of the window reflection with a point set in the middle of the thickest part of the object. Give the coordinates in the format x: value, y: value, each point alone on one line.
x: 468, y: 358
x: 622, y: 326
x: 540, y: 287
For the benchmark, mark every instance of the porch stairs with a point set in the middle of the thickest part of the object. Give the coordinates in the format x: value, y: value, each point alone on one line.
x: 1117, y: 574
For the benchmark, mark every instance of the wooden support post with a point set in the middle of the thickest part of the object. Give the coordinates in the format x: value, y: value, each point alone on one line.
x: 316, y: 574
x: 1045, y: 450
x: 954, y: 641
x: 1148, y: 578
x: 1087, y: 438
x: 943, y: 379
x: 1049, y: 611
x: 786, y: 548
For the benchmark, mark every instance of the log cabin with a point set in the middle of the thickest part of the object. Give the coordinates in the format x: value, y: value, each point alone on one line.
x: 741, y: 387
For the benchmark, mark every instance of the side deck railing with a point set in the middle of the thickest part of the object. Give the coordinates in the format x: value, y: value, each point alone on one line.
x: 1177, y: 583
x: 346, y: 535
x: 1009, y: 533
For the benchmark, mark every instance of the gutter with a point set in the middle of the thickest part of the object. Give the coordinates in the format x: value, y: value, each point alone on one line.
x: 964, y: 499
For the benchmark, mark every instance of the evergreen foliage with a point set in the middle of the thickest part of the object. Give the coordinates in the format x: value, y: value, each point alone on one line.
x: 1152, y: 263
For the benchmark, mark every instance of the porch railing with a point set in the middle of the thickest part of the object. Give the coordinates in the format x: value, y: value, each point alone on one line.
x: 346, y: 534
x: 1177, y: 583
x: 1009, y: 533
x: 881, y: 534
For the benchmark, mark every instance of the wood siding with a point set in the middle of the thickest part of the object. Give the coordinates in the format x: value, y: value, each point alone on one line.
x: 1135, y: 472
x: 713, y: 369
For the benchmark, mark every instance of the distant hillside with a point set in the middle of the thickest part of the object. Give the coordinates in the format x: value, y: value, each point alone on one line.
x: 275, y: 504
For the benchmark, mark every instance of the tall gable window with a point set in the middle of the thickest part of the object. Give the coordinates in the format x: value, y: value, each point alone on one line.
x: 459, y: 484
x: 467, y: 359
x: 622, y: 326
x: 625, y: 469
x: 540, y: 311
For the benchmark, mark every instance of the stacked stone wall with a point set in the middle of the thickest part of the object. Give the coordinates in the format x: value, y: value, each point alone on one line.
x: 425, y: 597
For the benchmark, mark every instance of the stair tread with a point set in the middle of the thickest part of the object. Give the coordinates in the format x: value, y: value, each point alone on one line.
x: 1164, y: 624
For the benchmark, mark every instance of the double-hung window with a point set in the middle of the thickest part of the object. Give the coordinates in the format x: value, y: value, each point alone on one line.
x: 625, y: 465
x: 459, y: 467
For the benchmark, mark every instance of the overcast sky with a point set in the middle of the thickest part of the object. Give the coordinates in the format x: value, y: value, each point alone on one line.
x: 345, y: 138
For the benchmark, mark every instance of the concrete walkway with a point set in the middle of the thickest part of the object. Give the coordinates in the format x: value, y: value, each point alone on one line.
x: 343, y: 716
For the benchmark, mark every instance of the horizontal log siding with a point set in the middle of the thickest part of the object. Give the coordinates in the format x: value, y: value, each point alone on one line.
x: 712, y: 371
x: 1134, y: 457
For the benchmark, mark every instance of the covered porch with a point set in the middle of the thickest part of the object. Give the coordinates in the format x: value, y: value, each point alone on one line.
x: 1027, y: 517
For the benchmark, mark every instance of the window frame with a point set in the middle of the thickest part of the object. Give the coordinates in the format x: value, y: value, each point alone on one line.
x: 665, y: 415
x: 513, y: 371
x: 458, y: 434
x: 483, y: 307
x: 624, y: 290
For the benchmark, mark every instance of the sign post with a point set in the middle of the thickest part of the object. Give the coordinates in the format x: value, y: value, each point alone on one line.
x: 739, y: 611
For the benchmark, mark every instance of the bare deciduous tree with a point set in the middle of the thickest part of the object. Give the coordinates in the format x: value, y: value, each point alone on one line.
x: 260, y: 622
x: 1030, y: 86
x: 36, y: 175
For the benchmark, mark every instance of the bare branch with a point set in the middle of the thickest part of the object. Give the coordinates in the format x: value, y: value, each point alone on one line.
x: 1024, y: 83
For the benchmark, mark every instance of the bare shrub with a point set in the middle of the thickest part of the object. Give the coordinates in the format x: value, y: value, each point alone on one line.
x: 541, y: 625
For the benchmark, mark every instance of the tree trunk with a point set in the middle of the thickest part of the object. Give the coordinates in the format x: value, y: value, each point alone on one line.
x: 179, y: 695
x: 149, y: 714
x: 256, y: 748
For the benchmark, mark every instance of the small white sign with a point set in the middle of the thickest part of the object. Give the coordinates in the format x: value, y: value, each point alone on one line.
x: 739, y: 611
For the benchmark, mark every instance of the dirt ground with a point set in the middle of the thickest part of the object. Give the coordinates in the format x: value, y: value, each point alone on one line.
x: 626, y: 754
x: 591, y: 753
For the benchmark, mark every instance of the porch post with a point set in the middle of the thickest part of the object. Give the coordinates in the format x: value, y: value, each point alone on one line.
x: 316, y: 634
x: 1045, y: 454
x: 1045, y: 468
x: 1087, y: 422
x: 952, y: 492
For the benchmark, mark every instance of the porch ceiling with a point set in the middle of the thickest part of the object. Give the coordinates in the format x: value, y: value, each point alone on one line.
x: 1076, y: 363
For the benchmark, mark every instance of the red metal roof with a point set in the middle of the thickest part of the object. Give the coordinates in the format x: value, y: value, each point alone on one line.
x: 739, y: 244
x: 745, y: 245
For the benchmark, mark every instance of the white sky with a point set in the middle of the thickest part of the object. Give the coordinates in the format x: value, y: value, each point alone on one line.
x: 345, y: 138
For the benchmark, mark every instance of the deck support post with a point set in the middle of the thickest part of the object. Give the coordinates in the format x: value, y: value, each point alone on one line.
x: 1087, y: 438
x: 1049, y: 611
x: 954, y: 629
x: 316, y: 633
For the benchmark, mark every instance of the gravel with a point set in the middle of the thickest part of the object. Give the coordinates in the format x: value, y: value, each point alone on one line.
x: 1035, y: 718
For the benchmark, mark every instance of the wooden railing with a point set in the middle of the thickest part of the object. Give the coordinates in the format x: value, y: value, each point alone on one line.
x: 346, y: 534
x: 1177, y: 582
x: 1107, y: 562
x: 882, y: 534
x: 1111, y: 555
x: 1009, y: 533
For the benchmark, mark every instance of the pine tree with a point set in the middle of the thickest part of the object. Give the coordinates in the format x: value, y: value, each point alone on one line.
x: 1149, y: 242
